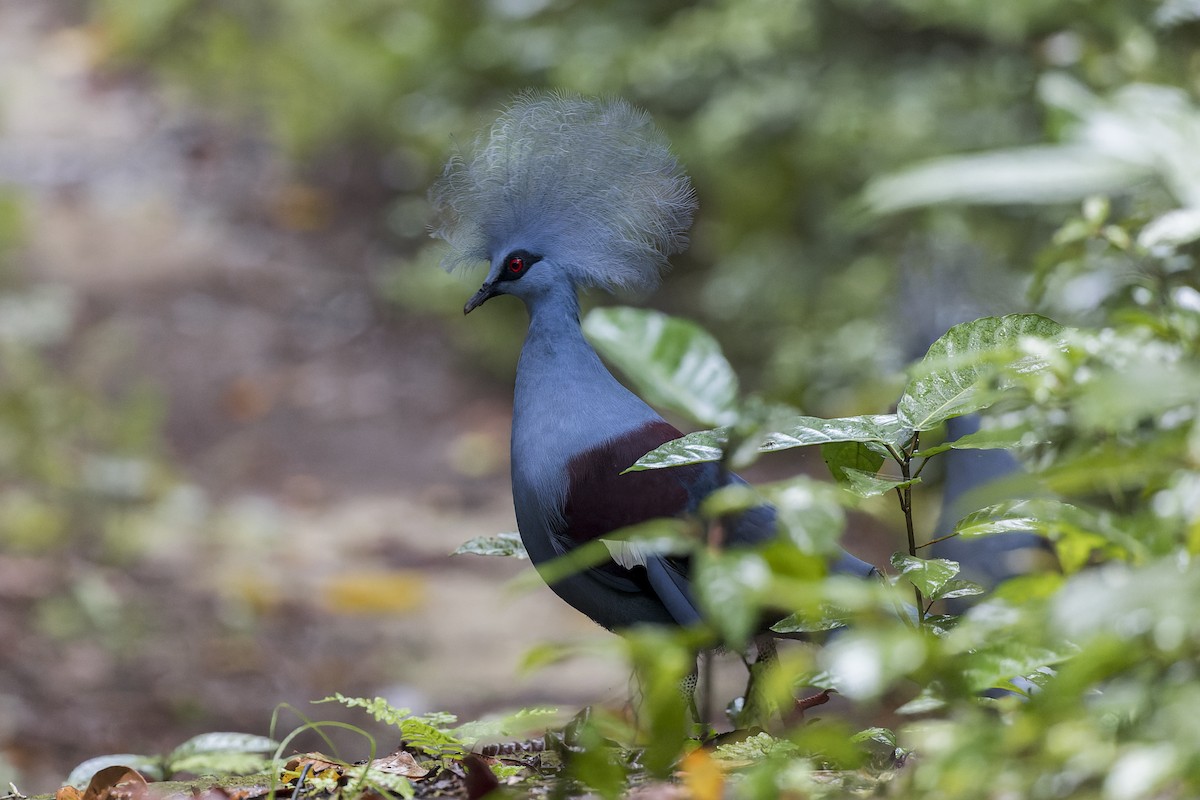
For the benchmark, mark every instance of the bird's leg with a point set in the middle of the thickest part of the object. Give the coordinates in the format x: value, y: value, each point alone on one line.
x: 757, y: 708
x: 704, y: 664
x: 687, y: 688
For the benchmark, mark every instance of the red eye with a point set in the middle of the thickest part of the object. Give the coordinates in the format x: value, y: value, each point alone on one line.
x: 516, y: 265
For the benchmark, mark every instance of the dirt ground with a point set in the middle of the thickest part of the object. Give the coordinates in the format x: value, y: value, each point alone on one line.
x: 316, y: 435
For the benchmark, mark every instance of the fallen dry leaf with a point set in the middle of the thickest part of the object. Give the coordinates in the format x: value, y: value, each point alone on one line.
x: 480, y: 779
x: 703, y: 776
x: 400, y: 762
x: 116, y: 783
x: 316, y: 762
x: 390, y: 592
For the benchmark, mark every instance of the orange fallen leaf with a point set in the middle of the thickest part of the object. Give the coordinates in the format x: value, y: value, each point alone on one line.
x: 375, y: 592
x: 703, y: 777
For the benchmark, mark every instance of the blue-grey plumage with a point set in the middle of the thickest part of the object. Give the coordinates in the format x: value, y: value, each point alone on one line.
x: 564, y: 193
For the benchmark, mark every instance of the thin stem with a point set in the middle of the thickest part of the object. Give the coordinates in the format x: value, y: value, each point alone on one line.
x: 905, y: 495
x: 921, y: 467
x: 939, y: 539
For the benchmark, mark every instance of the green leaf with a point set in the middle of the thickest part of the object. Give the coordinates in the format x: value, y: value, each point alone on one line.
x: 221, y: 753
x: 803, y: 431
x: 1076, y: 532
x: 809, y: 512
x: 828, y: 619
x: 732, y: 499
x: 996, y: 666
x: 425, y: 733
x: 500, y: 544
x: 1008, y: 517
x: 518, y: 723
x: 948, y: 379
x: 673, y: 363
x: 223, y: 742
x: 929, y: 699
x: 220, y: 763
x: 397, y: 784
x: 1171, y: 230
x: 800, y: 431
x: 728, y: 585
x: 986, y: 439
x: 865, y: 663
x: 866, y: 484
x: 753, y: 749
x: 850, y: 455
x: 694, y: 448
x: 1042, y: 174
x: 664, y: 536
x: 930, y: 575
x: 661, y: 659
x: 957, y: 588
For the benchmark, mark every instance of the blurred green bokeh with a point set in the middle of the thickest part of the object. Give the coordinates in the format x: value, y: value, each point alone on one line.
x: 782, y: 112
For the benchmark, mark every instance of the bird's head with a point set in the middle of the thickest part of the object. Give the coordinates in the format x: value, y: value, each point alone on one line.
x: 564, y: 192
x: 508, y: 275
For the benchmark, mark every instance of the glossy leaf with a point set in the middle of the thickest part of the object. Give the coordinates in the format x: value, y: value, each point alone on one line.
x: 694, y: 448
x: 800, y: 431
x: 866, y: 484
x: 956, y: 588
x: 229, y: 742
x: 853, y: 455
x: 997, y: 666
x: 221, y: 763
x: 221, y: 753
x: 828, y: 619
x: 930, y: 575
x: 986, y: 439
x: 673, y: 363
x: 948, y: 379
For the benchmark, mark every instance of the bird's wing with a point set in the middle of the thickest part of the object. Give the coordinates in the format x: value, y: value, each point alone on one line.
x: 600, y: 500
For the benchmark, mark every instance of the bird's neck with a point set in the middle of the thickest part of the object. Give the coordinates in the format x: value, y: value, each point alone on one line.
x: 554, y: 316
x: 559, y: 370
x: 566, y: 402
x: 558, y: 366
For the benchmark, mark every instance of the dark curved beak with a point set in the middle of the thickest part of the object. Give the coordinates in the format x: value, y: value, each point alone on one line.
x: 486, y: 292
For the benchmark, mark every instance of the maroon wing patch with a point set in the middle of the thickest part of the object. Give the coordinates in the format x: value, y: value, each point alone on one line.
x: 600, y: 499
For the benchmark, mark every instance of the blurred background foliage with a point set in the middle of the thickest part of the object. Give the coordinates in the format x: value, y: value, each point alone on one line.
x: 781, y: 111
x: 799, y: 122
